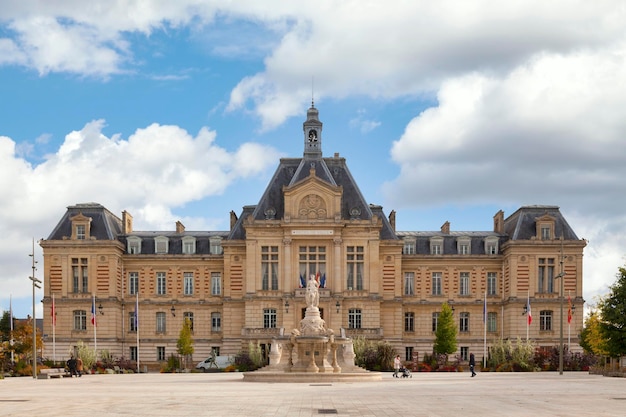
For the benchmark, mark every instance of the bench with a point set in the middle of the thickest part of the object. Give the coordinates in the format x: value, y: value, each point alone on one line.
x: 53, y: 373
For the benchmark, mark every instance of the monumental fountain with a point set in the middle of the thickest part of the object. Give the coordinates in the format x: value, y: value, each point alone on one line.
x: 312, y: 352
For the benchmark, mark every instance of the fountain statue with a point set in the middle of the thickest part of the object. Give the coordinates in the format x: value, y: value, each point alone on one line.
x: 311, y: 352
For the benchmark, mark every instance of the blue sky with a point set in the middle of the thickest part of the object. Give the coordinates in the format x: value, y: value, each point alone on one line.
x: 180, y: 111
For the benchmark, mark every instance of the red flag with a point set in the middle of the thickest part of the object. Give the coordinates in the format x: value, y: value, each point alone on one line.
x: 530, y: 316
x: 53, y: 313
x: 569, y: 310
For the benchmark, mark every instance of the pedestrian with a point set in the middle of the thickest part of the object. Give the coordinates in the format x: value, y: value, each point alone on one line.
x: 396, y: 366
x: 472, y: 363
x: 79, y: 366
x: 71, y: 364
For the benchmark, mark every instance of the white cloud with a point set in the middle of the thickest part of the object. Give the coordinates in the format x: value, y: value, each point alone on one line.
x: 151, y: 174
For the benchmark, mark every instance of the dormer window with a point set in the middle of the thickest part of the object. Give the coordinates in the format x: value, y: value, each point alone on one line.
x: 491, y: 245
x: 409, y: 246
x: 215, y: 244
x: 133, y: 244
x: 161, y: 244
x: 189, y: 245
x: 80, y: 226
x: 464, y: 245
x: 545, y: 227
x: 436, y: 245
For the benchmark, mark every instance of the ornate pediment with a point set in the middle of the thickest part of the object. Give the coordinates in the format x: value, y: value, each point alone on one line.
x: 312, y: 200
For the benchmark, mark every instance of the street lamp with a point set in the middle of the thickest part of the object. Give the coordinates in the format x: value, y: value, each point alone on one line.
x: 561, y: 275
x: 35, y: 285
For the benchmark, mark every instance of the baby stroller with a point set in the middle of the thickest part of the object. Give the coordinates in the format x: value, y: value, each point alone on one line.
x: 405, y: 372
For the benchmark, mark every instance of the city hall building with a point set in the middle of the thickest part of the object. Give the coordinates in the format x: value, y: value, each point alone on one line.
x: 245, y: 284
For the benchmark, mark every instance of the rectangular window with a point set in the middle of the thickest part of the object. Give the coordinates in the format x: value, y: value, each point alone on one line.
x: 269, y: 318
x: 134, y: 245
x: 188, y: 283
x: 464, y: 249
x: 133, y: 353
x: 312, y: 262
x: 132, y: 323
x: 160, y: 353
x: 161, y: 245
x: 80, y: 231
x: 435, y: 321
x: 355, y: 265
x: 545, y: 233
x: 409, y: 322
x: 161, y: 283
x: 492, y: 283
x: 435, y: 249
x: 189, y: 245
x: 215, y: 246
x: 464, y: 283
x: 80, y: 320
x: 409, y: 283
x: 216, y: 322
x: 545, y: 320
x: 408, y: 353
x: 133, y: 283
x: 492, y: 248
x: 188, y: 317
x: 545, y: 275
x: 160, y: 322
x: 269, y: 268
x: 464, y: 322
x: 409, y: 247
x: 436, y: 283
x: 80, y: 275
x: 354, y: 318
x: 216, y: 283
x: 464, y: 353
x: 492, y: 322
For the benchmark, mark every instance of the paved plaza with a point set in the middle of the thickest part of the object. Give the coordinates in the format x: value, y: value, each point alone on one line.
x: 226, y: 394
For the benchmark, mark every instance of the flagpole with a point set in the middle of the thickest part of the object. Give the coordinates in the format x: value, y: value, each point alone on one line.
x: 137, y: 324
x: 527, y: 312
x: 11, y: 332
x: 93, y: 319
x: 485, y: 331
x: 54, y: 326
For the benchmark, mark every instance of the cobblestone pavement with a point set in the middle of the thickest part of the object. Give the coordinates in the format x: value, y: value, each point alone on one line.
x: 226, y: 394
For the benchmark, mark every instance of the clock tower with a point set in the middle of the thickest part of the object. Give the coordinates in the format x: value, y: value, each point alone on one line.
x: 312, y: 134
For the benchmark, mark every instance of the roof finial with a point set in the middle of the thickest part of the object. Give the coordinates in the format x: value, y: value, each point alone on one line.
x: 312, y: 91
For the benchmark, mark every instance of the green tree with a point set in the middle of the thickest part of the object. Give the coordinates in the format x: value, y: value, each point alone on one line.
x: 5, y: 327
x: 591, y: 337
x: 184, y: 345
x: 613, y: 312
x: 445, y: 335
x: 86, y: 354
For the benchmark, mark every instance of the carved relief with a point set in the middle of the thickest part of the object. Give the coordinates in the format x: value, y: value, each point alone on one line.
x: 312, y: 207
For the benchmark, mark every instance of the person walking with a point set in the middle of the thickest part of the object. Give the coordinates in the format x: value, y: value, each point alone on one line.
x: 79, y: 366
x: 71, y: 364
x: 396, y: 366
x: 472, y: 363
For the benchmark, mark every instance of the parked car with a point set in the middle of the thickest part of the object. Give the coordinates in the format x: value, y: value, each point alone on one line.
x: 215, y: 362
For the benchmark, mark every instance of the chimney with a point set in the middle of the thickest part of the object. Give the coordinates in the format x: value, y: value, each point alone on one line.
x: 180, y: 228
x: 127, y: 223
x: 392, y: 219
x: 445, y: 228
x: 498, y: 222
x: 233, y: 219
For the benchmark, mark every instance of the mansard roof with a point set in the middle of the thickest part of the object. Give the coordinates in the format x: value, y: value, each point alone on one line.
x: 104, y: 224
x: 521, y: 225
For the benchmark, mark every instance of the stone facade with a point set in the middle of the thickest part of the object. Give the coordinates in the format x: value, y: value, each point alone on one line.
x: 244, y: 284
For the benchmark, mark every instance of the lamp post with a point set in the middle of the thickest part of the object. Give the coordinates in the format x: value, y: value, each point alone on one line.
x: 35, y: 285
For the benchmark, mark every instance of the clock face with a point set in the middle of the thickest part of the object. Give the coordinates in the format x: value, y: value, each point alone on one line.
x: 312, y: 135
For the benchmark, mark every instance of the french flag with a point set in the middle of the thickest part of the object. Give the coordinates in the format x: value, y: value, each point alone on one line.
x: 93, y: 311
